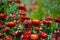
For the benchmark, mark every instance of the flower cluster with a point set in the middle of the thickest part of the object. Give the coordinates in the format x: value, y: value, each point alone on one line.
x: 31, y: 29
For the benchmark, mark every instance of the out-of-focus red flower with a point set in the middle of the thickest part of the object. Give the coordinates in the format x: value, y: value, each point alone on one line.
x: 26, y: 36
x: 17, y: 20
x: 13, y: 15
x: 43, y: 35
x: 15, y: 33
x: 24, y: 17
x: 8, y: 37
x: 34, y: 37
x: 49, y: 17
x: 22, y: 12
x: 54, y: 36
x: 22, y: 7
x: 27, y: 23
x: 57, y: 19
x: 29, y: 31
x: 18, y: 33
x: 3, y: 16
x: 2, y: 25
x: 10, y: 1
x: 47, y: 22
x: 11, y: 24
x: 39, y: 28
x: 18, y: 1
x: 36, y: 22
x: 5, y: 29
